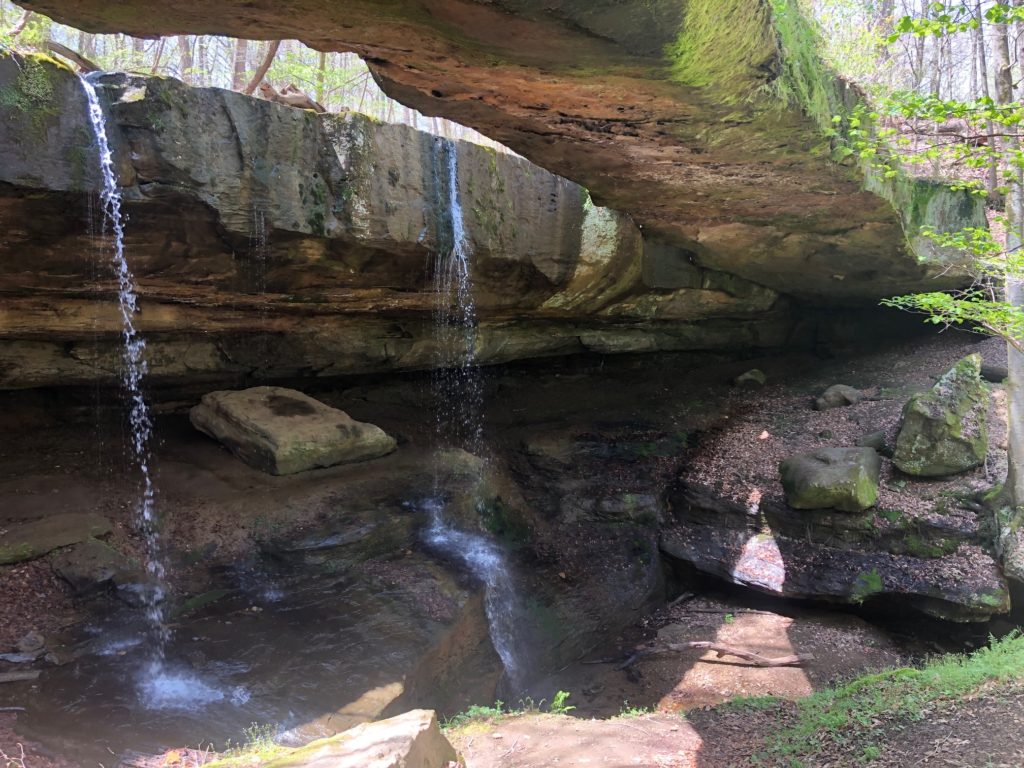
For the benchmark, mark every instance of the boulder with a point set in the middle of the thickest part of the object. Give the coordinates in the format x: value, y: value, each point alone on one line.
x: 92, y: 564
x: 410, y: 740
x: 832, y: 478
x: 27, y: 541
x: 945, y: 430
x: 837, y: 396
x: 282, y: 431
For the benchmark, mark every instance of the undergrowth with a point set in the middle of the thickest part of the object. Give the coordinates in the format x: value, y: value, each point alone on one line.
x: 489, y: 715
x: 846, y: 715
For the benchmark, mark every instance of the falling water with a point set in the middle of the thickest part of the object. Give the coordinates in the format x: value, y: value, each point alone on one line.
x: 459, y: 393
x: 132, y: 378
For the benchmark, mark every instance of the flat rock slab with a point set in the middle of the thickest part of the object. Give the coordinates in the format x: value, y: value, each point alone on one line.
x: 410, y: 740
x: 832, y: 478
x: 92, y: 564
x: 27, y: 541
x: 282, y: 431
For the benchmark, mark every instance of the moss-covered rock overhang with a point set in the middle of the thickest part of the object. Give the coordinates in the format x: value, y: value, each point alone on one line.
x: 701, y: 119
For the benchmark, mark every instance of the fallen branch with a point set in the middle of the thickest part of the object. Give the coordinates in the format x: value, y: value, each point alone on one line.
x: 62, y: 50
x: 756, y: 659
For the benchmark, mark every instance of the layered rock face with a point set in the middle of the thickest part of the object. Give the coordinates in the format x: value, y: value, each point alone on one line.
x: 272, y: 242
x: 700, y: 118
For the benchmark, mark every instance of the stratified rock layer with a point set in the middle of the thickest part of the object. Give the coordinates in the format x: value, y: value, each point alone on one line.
x: 282, y: 431
x: 270, y: 242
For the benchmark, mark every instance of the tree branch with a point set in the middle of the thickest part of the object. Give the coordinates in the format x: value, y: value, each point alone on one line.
x: 261, y: 70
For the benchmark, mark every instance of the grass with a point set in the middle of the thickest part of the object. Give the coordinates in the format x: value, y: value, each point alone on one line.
x: 257, y: 748
x: 477, y: 715
x: 850, y: 712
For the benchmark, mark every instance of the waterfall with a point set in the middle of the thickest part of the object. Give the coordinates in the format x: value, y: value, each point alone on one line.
x: 458, y: 391
x: 132, y: 377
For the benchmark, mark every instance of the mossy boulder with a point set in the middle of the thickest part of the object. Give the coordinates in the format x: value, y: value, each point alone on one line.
x: 945, y: 430
x: 832, y: 478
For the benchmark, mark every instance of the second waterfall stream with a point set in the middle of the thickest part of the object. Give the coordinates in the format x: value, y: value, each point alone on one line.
x: 458, y: 394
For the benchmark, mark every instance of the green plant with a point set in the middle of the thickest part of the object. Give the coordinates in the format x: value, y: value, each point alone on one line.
x: 628, y: 711
x: 559, y: 705
x: 729, y: 618
x: 477, y: 713
x: 870, y: 753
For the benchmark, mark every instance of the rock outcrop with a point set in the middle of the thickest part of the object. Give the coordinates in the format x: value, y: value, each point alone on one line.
x: 702, y: 119
x: 282, y: 431
x: 271, y: 242
x: 945, y: 431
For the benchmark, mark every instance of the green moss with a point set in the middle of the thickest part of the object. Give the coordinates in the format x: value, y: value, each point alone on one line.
x: 805, y: 81
x: 33, y: 91
x: 919, y: 546
x: 868, y: 583
x: 725, y: 44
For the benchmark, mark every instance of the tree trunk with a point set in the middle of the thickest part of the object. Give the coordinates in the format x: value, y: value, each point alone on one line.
x: 238, y: 67
x: 261, y: 70
x: 321, y: 77
x: 185, y: 58
x: 1014, y: 488
x: 992, y: 180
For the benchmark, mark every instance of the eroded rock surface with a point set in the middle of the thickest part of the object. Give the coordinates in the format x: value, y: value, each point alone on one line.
x: 282, y: 431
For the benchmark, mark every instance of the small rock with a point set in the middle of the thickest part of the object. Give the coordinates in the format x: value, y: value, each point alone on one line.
x: 996, y: 374
x: 92, y: 565
x: 838, y: 396
x: 30, y: 642
x: 875, y: 440
x: 826, y: 434
x: 752, y: 379
x: 832, y: 478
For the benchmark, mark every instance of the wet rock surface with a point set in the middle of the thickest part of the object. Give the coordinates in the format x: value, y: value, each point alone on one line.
x: 283, y: 431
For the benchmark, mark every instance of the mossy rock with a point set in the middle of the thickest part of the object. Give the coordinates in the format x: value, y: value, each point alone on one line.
x: 945, y: 430
x: 832, y: 478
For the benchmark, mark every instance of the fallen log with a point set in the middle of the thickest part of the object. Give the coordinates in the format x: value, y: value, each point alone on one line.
x: 721, y: 649
x: 83, y: 63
